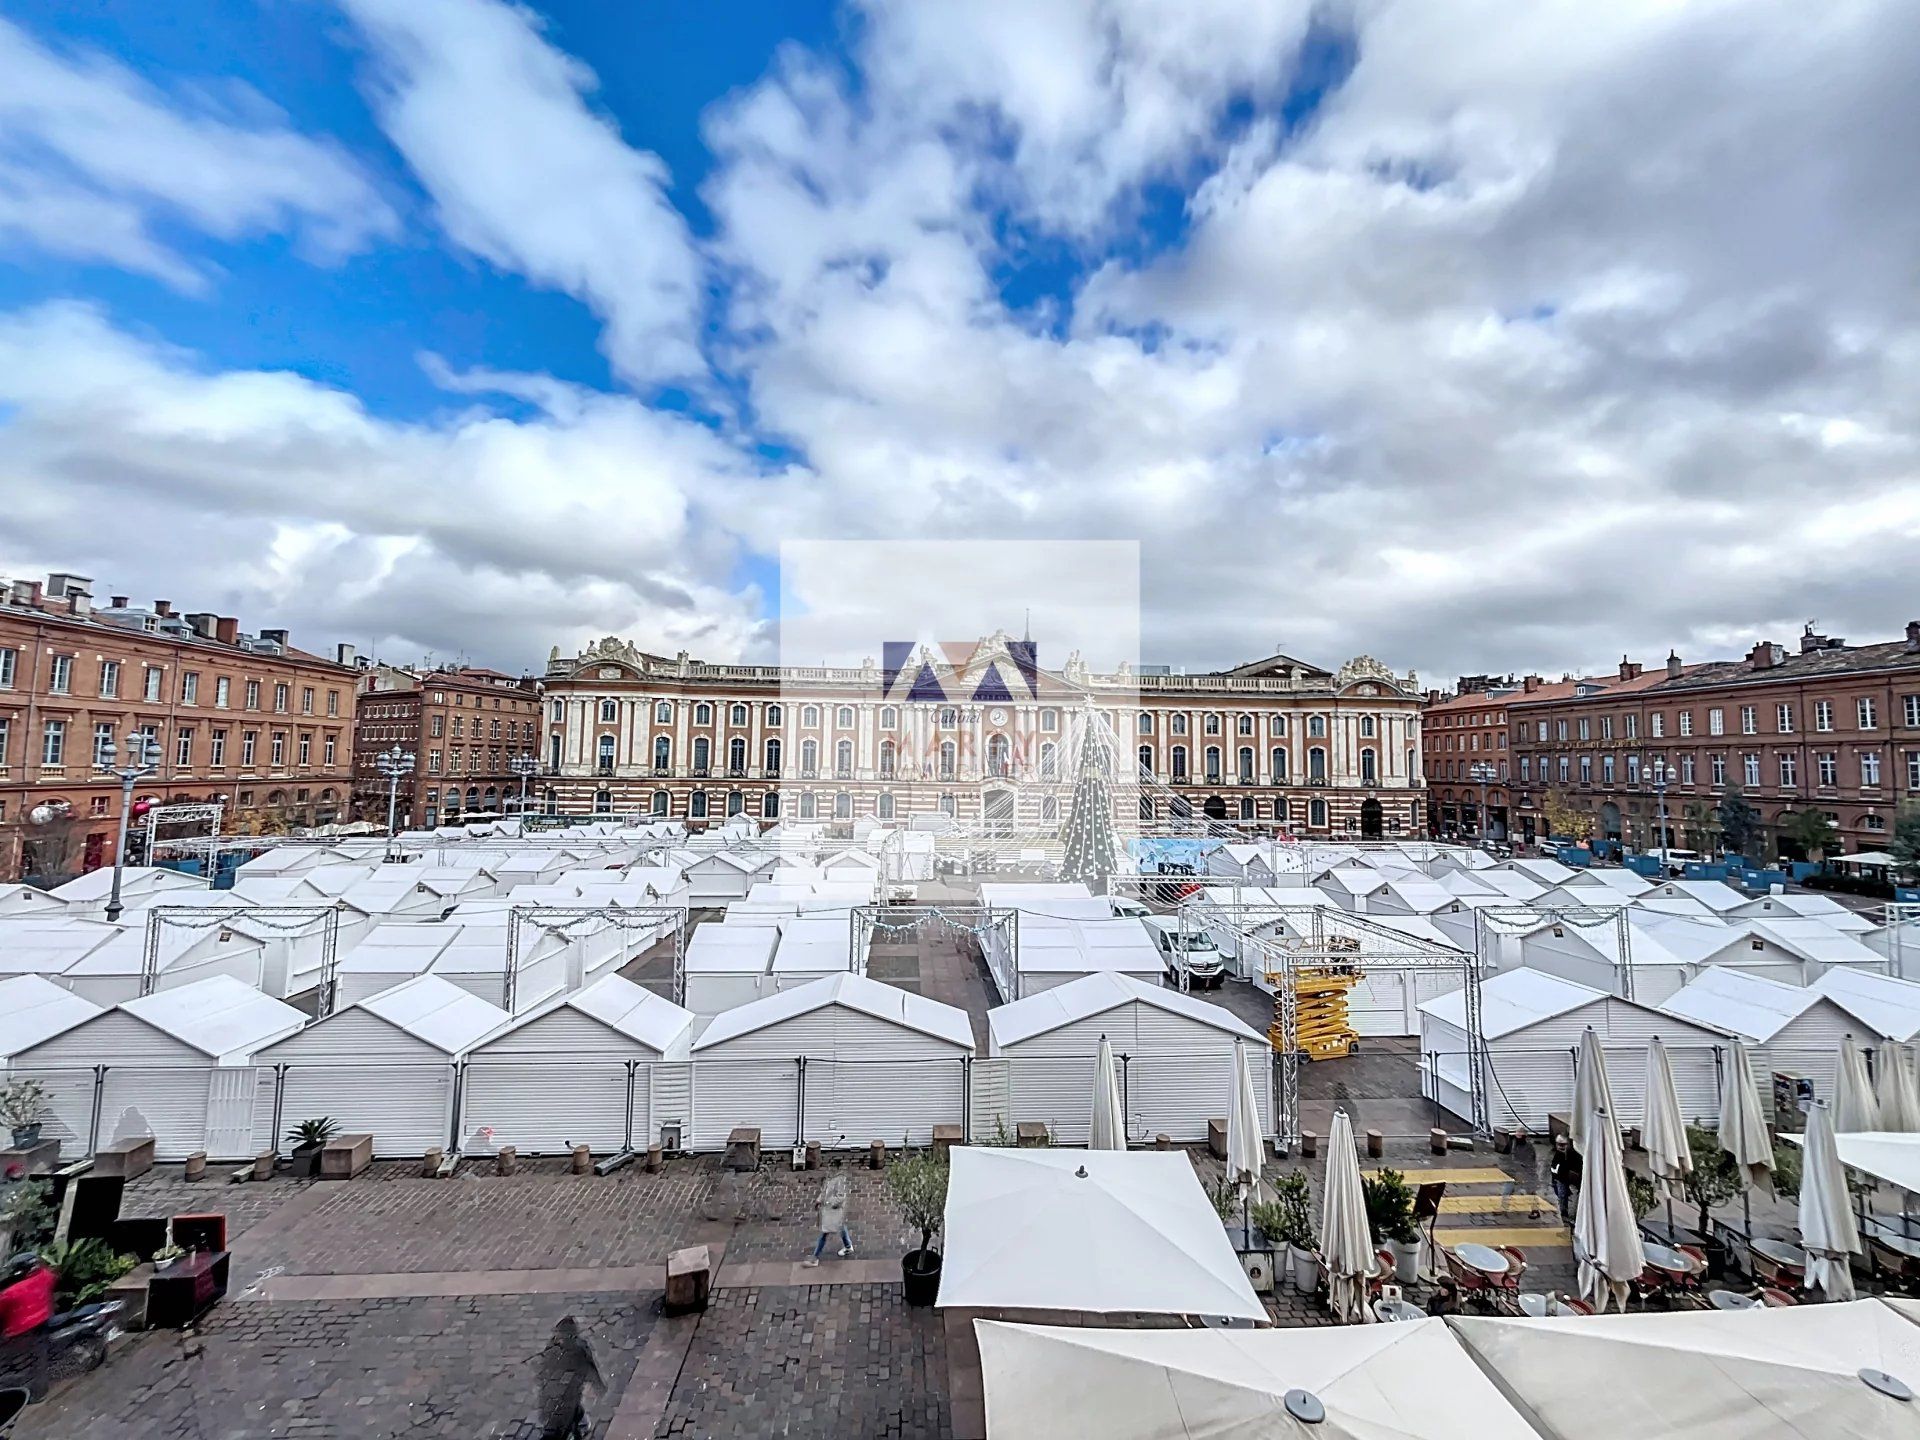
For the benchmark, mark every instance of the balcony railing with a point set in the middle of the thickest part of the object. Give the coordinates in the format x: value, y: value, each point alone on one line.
x: 809, y: 772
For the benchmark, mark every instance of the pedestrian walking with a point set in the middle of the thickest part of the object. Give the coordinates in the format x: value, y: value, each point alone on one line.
x: 833, y: 1218
x: 1564, y: 1169
x: 565, y: 1368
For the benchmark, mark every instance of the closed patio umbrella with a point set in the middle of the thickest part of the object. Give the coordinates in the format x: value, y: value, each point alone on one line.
x: 1828, y: 1232
x: 1346, y: 1243
x: 1897, y: 1088
x: 1854, y: 1110
x: 1591, y: 1091
x: 1663, y: 1134
x: 1244, y: 1150
x: 1743, y: 1129
x: 1606, y: 1240
x: 1108, y: 1130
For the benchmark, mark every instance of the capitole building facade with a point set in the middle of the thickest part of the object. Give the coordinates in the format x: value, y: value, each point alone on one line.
x: 986, y: 734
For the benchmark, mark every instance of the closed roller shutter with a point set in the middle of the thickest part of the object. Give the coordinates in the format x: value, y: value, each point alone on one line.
x: 69, y: 1117
x: 1056, y: 1090
x: 756, y: 1092
x: 898, y: 1101
x: 172, y: 1101
x: 1378, y: 1005
x: 992, y: 1107
x: 233, y: 1093
x: 545, y: 1107
x: 1175, y: 1094
x: 406, y: 1108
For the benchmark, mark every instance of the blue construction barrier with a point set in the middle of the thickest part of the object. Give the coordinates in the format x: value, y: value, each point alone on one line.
x: 1906, y: 894
x: 1762, y: 879
x: 1706, y: 870
x: 1577, y: 856
x: 1646, y: 866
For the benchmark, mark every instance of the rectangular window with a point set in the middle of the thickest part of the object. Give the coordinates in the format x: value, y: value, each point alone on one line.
x: 60, y: 679
x: 1686, y: 722
x: 333, y: 702
x: 1823, y: 715
x: 1749, y: 720
x: 183, y: 750
x: 327, y: 752
x: 1870, y: 768
x: 1686, y: 769
x: 1657, y: 724
x: 109, y: 679
x: 190, y: 687
x: 1783, y: 718
x: 9, y: 666
x: 155, y: 678
x: 253, y: 694
x: 1585, y: 729
x: 217, y: 749
x: 1586, y: 769
x: 249, y: 743
x: 1716, y: 721
x: 1606, y: 769
x: 1910, y: 711
x: 102, y: 746
x: 1543, y: 731
x: 438, y: 726
x: 1789, y: 771
x: 1526, y: 768
x: 1633, y: 769
x: 1828, y: 766
x: 277, y: 749
x: 222, y: 691
x: 1606, y: 727
x: 1632, y: 723
x: 1869, y: 717
x: 306, y: 700
x: 6, y: 734
x: 1913, y: 761
x: 53, y: 743
x: 1564, y: 767
x: 1560, y: 730
x: 280, y: 693
x: 1717, y: 768
x: 306, y: 750
x: 433, y: 761
x: 1750, y: 768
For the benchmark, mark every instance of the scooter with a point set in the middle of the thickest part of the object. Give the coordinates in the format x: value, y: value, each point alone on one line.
x: 74, y: 1341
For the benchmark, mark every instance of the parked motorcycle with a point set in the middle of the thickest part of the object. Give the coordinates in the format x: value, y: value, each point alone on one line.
x: 74, y: 1341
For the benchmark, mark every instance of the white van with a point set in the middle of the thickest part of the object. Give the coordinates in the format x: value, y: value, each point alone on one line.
x: 1128, y: 908
x: 1193, y: 955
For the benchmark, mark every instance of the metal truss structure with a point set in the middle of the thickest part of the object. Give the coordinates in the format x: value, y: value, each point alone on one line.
x: 977, y: 920
x: 287, y: 920
x: 1520, y: 919
x: 567, y: 920
x: 184, y: 812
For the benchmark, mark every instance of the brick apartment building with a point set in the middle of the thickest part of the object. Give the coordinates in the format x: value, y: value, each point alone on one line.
x: 463, y: 726
x: 243, y: 720
x: 1829, y: 725
x: 1469, y: 776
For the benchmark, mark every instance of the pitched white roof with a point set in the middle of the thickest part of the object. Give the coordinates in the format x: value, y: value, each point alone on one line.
x: 1808, y: 907
x: 1716, y: 895
x: 33, y: 1009
x: 1096, y: 994
x: 1514, y: 1000
x: 49, y: 944
x: 1420, y: 895
x: 1812, y: 938
x: 1548, y: 872
x: 436, y: 1011
x: 1622, y: 881
x: 1741, y: 1003
x: 856, y: 992
x: 28, y: 899
x: 1352, y: 879
x: 218, y: 1016
x: 731, y: 949
x: 1012, y: 895
x: 135, y: 879
x: 1890, y: 1006
x: 622, y: 1006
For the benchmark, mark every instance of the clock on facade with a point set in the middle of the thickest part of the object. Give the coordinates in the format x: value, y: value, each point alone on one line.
x: 998, y: 717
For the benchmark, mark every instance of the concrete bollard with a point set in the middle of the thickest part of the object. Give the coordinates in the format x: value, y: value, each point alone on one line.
x: 876, y: 1154
x: 436, y: 1156
x: 582, y: 1159
x: 263, y: 1164
x: 1376, y: 1144
x: 1503, y: 1141
x: 1163, y: 1142
x: 1437, y: 1140
x: 1309, y: 1144
x: 196, y: 1167
x: 813, y: 1154
x: 507, y: 1161
x: 653, y: 1159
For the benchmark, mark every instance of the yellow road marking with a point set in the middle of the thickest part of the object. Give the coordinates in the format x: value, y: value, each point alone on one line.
x: 1495, y: 1204
x: 1462, y: 1176
x: 1544, y: 1238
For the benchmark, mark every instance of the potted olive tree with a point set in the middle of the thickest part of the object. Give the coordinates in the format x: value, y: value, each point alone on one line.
x: 1389, y: 1203
x: 918, y: 1185
x: 1288, y: 1221
x: 23, y: 1105
x: 309, y: 1138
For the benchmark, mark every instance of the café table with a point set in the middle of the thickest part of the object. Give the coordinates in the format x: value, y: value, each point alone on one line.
x: 1483, y: 1258
x: 1732, y: 1300
x: 1665, y: 1258
x: 1391, y: 1310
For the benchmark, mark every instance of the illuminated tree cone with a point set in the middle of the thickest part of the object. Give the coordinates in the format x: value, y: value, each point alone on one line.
x: 1091, y: 851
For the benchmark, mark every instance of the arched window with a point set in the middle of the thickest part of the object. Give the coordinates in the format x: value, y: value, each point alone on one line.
x: 949, y: 718
x: 660, y: 802
x: 1317, y: 814
x: 884, y: 806
x: 1049, y: 807
x: 842, y: 805
x: 773, y: 758
x: 1146, y: 759
x: 737, y: 755
x: 1146, y: 807
x: 946, y: 805
x: 1049, y: 760
x: 1244, y: 725
x: 809, y: 757
x: 887, y: 754
x: 1316, y: 766
x: 737, y: 715
x: 552, y: 800
x: 843, y: 717
x: 1369, y: 767
x: 999, y: 756
x: 1277, y: 726
x: 606, y: 754
x: 1179, y: 755
x: 1211, y: 723
x: 702, y: 754
x: 662, y: 752
x: 609, y: 711
x: 948, y: 755
x: 1179, y: 723
x: 736, y: 803
x: 1366, y: 727
x: 843, y: 758
x: 806, y: 805
x: 663, y: 712
x: 697, y: 805
x: 770, y: 805
x: 1279, y: 762
x: 1049, y: 721
x: 1213, y: 763
x: 1246, y: 807
x: 602, y: 802
x: 1144, y: 723
x: 889, y: 717
x: 703, y: 714
x: 773, y: 714
x: 1279, y: 809
x: 809, y: 716
x: 1316, y: 727
x: 1246, y: 766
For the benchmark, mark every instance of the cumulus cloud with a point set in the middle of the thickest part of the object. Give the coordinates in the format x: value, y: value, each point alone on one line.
x: 92, y: 157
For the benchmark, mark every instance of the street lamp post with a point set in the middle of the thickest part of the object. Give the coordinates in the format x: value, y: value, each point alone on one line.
x: 1482, y: 773
x: 393, y: 764
x: 523, y: 766
x: 143, y: 760
x: 1657, y: 777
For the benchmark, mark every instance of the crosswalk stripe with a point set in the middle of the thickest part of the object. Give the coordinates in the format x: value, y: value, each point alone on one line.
x: 1526, y: 1238
x: 1495, y: 1205
x: 1462, y: 1176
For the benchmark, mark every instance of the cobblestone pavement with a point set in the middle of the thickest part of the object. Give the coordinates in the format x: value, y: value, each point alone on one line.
x: 344, y: 1370
x: 830, y: 1361
x: 162, y: 1191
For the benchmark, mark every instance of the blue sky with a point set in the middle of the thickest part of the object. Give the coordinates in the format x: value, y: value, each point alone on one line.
x: 475, y: 328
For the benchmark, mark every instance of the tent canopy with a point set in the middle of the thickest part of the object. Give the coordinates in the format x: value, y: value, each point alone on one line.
x: 1894, y: 1158
x: 1109, y: 1231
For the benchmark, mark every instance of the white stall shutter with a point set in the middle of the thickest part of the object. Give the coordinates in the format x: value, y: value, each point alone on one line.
x: 757, y: 1092
x: 406, y: 1108
x: 898, y: 1101
x: 545, y: 1107
x: 232, y: 1101
x: 171, y: 1099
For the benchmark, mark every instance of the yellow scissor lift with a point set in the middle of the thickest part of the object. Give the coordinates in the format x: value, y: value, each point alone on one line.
x: 1321, y: 997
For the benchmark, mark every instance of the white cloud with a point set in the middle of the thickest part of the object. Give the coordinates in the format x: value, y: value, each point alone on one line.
x: 496, y: 124
x: 93, y: 158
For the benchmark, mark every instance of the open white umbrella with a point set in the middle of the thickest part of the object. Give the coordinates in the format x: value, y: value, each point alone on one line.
x: 1591, y: 1092
x: 1663, y: 1133
x: 1108, y: 1130
x: 1346, y: 1243
x: 1828, y: 1232
x: 1244, y: 1148
x: 1743, y: 1129
x: 1606, y: 1238
x: 1854, y: 1110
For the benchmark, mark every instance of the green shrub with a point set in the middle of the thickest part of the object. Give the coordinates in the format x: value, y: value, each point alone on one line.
x: 918, y: 1185
x: 1389, y: 1207
x: 83, y: 1269
x: 1288, y: 1217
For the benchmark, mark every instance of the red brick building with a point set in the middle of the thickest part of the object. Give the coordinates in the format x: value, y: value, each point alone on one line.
x: 1829, y: 726
x: 243, y: 720
x: 1469, y: 779
x: 463, y: 726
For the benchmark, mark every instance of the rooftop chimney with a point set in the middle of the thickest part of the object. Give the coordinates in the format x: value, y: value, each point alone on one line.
x: 118, y: 602
x: 1629, y: 670
x: 201, y: 622
x: 1673, y: 665
x: 27, y: 593
x: 163, y: 608
x: 1530, y: 684
x: 79, y: 602
x: 1765, y: 655
x: 343, y: 654
x: 60, y: 585
x: 278, y: 637
x: 1913, y: 634
x: 226, y: 630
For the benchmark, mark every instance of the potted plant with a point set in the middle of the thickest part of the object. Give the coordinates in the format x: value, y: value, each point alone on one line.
x: 1714, y: 1180
x: 83, y: 1269
x: 918, y: 1185
x: 1288, y: 1221
x: 309, y: 1138
x: 1389, y: 1203
x: 23, y: 1105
